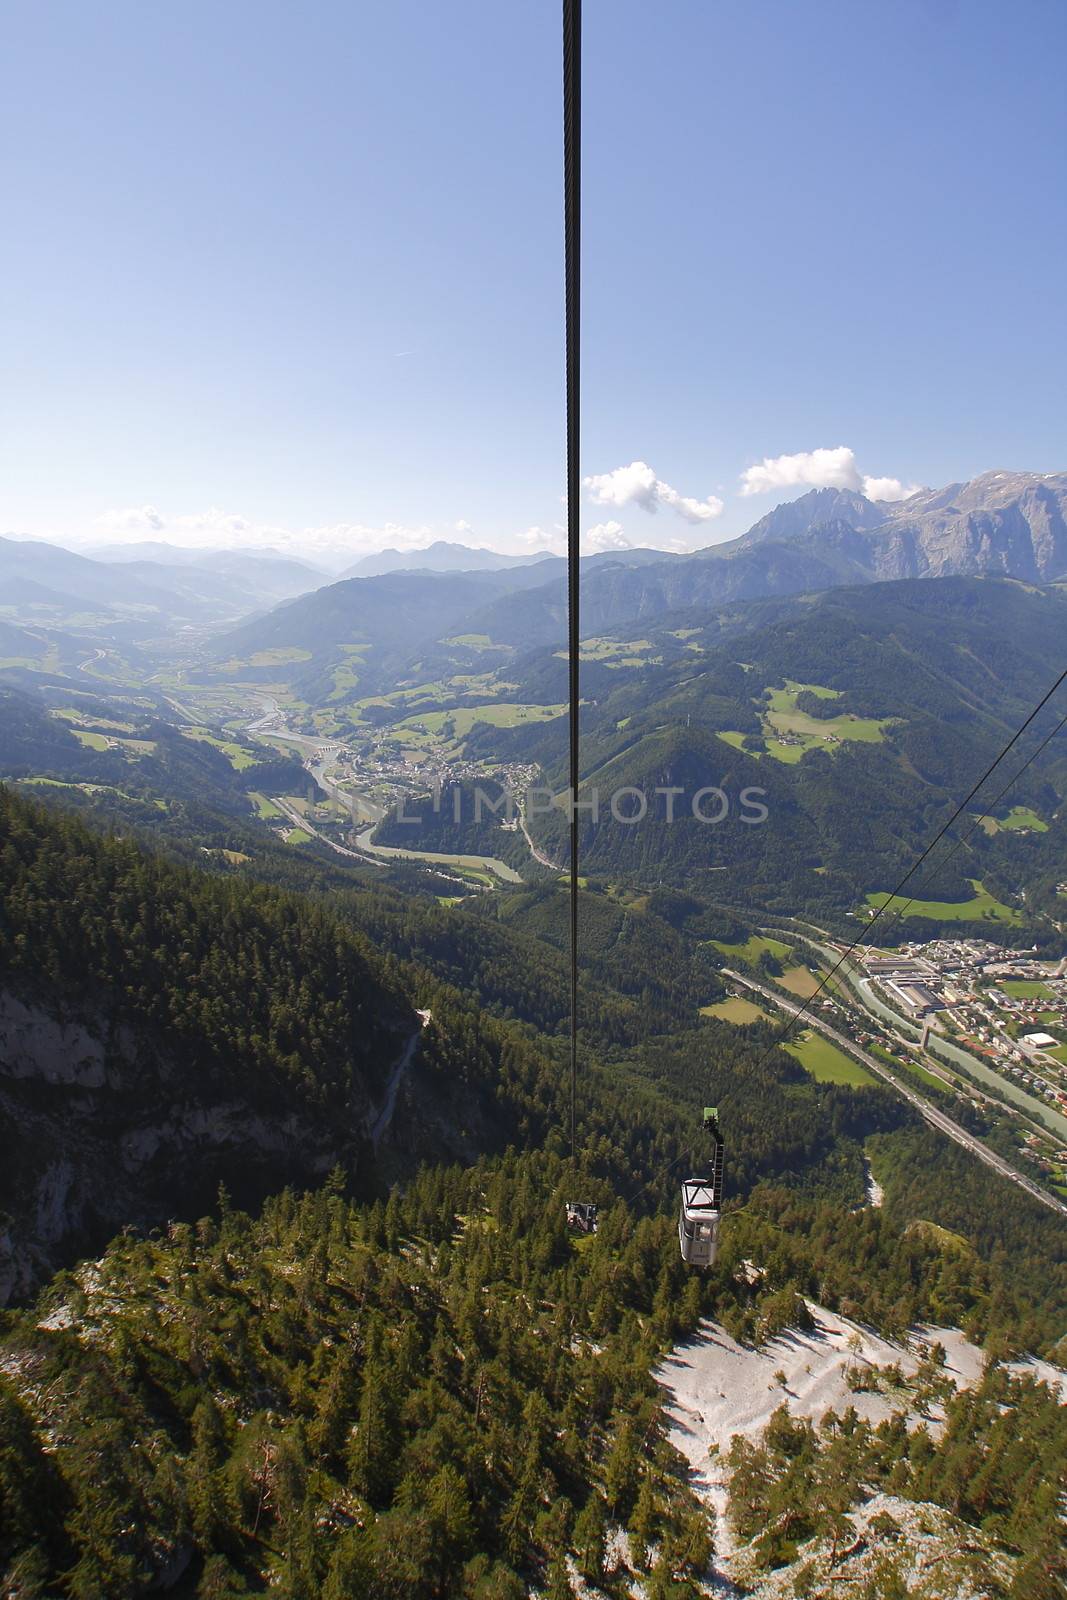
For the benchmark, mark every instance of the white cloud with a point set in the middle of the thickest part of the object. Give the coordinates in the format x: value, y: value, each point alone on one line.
x: 638, y: 485
x: 816, y: 469
x: 538, y: 538
x: 461, y: 526
x: 139, y: 522
x: 888, y: 489
x: 606, y: 536
x: 198, y: 530
x: 821, y: 469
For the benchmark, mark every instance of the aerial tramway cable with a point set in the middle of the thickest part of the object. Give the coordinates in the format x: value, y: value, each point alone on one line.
x: 786, y: 1027
x: 973, y: 829
x: 572, y: 171
x: 790, y: 1023
x: 572, y: 208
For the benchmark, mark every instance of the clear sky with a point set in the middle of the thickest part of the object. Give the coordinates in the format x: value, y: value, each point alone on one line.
x: 291, y: 274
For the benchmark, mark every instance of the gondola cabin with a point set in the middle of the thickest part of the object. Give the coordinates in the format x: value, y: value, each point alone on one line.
x: 698, y: 1216
x: 698, y: 1223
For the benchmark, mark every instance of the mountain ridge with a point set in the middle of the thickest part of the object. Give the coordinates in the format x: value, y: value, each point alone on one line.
x: 1012, y: 524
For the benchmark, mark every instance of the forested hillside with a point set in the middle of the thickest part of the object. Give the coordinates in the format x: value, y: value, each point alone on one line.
x: 438, y: 1396
x: 162, y: 1028
x: 443, y: 1393
x: 862, y: 716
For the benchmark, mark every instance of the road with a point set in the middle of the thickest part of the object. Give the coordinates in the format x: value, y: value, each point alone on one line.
x: 380, y: 1125
x: 299, y: 821
x: 1037, y: 1114
x: 932, y: 1114
x: 538, y: 855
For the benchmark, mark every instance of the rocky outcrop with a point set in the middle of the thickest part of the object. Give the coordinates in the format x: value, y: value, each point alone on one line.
x: 1010, y: 523
x: 101, y: 1131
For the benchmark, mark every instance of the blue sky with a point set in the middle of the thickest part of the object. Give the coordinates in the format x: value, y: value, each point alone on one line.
x: 292, y: 275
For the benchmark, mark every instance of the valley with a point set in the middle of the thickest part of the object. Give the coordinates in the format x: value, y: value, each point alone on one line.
x: 283, y: 1051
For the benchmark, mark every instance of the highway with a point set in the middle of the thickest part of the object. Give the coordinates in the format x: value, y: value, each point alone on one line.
x: 293, y: 815
x: 932, y: 1114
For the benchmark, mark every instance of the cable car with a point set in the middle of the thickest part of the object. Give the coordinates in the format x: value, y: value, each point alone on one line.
x: 701, y: 1206
x: 581, y: 1216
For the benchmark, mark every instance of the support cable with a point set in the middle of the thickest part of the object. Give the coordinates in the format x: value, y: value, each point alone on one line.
x: 862, y: 937
x: 973, y: 829
x: 572, y: 172
x: 785, y: 1028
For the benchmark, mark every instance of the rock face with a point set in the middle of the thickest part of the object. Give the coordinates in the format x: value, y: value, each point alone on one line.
x: 1010, y: 523
x: 100, y: 1130
x: 796, y: 517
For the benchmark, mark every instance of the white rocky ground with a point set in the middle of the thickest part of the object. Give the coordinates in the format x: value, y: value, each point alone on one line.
x: 875, y: 1192
x: 716, y: 1388
x: 932, y: 1553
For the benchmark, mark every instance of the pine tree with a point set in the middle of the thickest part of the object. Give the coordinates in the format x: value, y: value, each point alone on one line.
x: 559, y: 1579
x: 589, y: 1543
x: 621, y: 1472
x: 643, y: 1521
x: 371, y: 1451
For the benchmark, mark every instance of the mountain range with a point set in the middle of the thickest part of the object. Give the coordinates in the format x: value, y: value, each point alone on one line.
x: 441, y: 556
x: 1012, y: 524
x: 143, y: 590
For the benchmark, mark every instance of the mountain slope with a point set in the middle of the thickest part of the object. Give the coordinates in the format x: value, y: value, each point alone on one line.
x: 162, y: 1029
x: 138, y: 596
x: 919, y: 685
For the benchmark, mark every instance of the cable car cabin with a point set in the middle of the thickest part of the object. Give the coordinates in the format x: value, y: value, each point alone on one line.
x: 698, y: 1223
x: 581, y: 1216
x: 698, y: 1218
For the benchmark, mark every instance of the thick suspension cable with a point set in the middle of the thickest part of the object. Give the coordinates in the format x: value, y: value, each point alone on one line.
x: 572, y: 171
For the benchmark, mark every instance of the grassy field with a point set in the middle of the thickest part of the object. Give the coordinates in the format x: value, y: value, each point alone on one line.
x: 790, y: 733
x: 799, y: 981
x: 617, y: 652
x: 912, y: 1068
x: 345, y: 680
x: 278, y: 655
x: 1019, y: 819
x: 981, y: 908
x: 298, y: 836
x: 81, y: 717
x: 95, y: 741
x: 462, y: 719
x: 825, y: 1062
x: 810, y: 733
x: 735, y: 1010
x: 753, y: 948
x: 264, y: 808
x: 239, y: 758
x: 1026, y: 988
x: 786, y: 699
